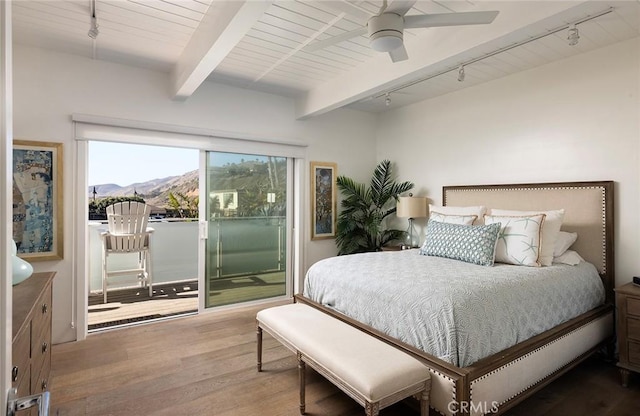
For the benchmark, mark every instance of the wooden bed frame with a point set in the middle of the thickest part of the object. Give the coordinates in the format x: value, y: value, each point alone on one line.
x: 497, y: 383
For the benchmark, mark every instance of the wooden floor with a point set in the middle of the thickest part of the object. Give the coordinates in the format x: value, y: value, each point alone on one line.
x: 205, y: 365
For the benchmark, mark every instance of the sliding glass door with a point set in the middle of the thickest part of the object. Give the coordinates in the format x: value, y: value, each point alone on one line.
x: 246, y: 221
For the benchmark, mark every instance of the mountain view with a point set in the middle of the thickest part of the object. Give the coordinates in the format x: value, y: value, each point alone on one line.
x: 251, y: 177
x: 155, y: 191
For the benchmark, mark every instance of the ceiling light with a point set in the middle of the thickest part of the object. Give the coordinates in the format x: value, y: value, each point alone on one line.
x: 573, y: 36
x: 461, y: 73
x: 387, y: 99
x: 385, y: 32
x: 93, y: 31
x: 386, y: 43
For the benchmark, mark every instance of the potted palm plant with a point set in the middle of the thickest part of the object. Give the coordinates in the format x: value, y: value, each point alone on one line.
x: 359, y: 227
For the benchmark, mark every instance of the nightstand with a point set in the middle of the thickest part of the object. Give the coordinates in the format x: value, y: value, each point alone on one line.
x: 628, y: 328
x: 396, y: 247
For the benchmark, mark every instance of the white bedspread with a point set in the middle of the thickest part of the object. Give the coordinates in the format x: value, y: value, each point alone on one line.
x: 456, y: 311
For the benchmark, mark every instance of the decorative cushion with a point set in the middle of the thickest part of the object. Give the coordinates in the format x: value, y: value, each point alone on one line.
x: 564, y: 241
x: 472, y: 244
x: 569, y: 257
x: 519, y: 239
x: 478, y: 211
x: 550, y: 229
x: 453, y: 219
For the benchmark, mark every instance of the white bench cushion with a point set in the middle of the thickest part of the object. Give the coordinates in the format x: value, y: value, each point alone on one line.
x: 367, y: 364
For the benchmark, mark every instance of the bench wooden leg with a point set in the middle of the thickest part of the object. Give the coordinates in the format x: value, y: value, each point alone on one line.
x: 424, y: 399
x: 259, y: 351
x: 372, y: 409
x: 301, y: 375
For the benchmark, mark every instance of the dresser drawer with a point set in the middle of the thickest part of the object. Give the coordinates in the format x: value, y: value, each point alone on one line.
x: 40, y: 352
x: 634, y: 352
x: 21, y: 355
x: 633, y: 307
x: 23, y: 385
x: 633, y: 328
x: 24, y: 389
x: 42, y: 313
x: 40, y: 383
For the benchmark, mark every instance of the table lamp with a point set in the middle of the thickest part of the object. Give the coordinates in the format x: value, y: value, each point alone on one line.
x: 411, y: 207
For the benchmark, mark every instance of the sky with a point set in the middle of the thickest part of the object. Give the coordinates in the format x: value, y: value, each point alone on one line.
x: 125, y: 164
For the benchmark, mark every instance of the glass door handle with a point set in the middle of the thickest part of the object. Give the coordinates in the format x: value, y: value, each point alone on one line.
x: 204, y: 230
x: 15, y: 404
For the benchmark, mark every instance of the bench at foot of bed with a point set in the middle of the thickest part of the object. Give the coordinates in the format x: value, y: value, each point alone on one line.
x: 373, y: 373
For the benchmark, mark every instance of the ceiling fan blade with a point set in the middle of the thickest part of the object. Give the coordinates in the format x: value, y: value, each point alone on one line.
x: 352, y: 9
x: 399, y: 54
x: 400, y: 7
x: 321, y: 44
x: 449, y: 19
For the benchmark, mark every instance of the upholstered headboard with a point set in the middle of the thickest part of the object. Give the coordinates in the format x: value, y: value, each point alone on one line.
x: 588, y: 211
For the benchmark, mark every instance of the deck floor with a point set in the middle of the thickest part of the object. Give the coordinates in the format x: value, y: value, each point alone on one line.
x: 125, y: 306
x: 131, y: 305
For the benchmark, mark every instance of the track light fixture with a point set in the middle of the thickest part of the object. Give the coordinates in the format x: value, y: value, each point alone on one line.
x: 93, y: 31
x: 461, y: 73
x: 573, y: 36
x: 387, y: 99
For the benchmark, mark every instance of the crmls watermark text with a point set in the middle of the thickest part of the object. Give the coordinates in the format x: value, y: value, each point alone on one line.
x: 473, y: 407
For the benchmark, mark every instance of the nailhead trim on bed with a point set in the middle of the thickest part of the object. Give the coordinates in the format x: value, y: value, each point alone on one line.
x: 522, y: 358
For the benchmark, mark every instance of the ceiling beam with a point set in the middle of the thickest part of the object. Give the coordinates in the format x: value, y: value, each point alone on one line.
x: 430, y: 51
x: 222, y: 27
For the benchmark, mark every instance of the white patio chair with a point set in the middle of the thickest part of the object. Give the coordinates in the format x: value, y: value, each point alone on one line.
x: 128, y: 233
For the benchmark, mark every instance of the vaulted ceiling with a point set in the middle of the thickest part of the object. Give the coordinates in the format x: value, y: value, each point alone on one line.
x: 268, y: 45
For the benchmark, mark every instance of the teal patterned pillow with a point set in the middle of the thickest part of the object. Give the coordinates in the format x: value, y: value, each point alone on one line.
x: 473, y: 244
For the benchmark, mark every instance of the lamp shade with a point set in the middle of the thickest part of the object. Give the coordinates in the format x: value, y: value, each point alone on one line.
x: 411, y: 207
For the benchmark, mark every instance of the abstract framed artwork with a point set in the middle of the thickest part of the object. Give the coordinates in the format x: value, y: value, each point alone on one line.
x: 37, y: 200
x: 323, y: 200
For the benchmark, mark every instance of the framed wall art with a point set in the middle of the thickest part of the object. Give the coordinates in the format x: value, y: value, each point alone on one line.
x: 323, y: 200
x: 37, y: 200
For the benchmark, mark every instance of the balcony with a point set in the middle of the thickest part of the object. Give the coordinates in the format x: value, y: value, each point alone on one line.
x: 248, y: 263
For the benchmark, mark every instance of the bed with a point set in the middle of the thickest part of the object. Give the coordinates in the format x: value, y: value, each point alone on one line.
x: 496, y: 375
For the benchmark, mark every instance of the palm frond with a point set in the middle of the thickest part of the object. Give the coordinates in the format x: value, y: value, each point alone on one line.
x: 359, y: 226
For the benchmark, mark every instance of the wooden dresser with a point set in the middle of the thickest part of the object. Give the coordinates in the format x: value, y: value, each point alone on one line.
x: 628, y: 328
x: 32, y: 334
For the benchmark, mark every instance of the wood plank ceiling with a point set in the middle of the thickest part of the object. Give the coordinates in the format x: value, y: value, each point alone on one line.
x: 262, y: 44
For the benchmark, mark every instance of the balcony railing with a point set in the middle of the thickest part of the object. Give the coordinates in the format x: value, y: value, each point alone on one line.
x: 237, y: 246
x: 174, y: 254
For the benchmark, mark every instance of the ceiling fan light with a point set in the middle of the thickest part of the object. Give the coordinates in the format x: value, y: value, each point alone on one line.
x: 386, y: 41
x: 385, y: 32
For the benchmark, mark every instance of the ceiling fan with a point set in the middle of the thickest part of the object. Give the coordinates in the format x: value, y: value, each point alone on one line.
x: 385, y: 29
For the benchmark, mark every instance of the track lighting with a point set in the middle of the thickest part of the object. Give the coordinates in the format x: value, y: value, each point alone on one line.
x: 573, y: 36
x: 93, y: 31
x: 461, y: 73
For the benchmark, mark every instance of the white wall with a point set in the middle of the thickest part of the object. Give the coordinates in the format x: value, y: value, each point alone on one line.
x: 573, y: 120
x: 49, y: 87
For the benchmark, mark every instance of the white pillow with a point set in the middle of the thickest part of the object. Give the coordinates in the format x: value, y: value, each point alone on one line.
x: 569, y: 257
x: 550, y: 229
x: 478, y: 211
x: 564, y: 241
x: 453, y: 219
x: 519, y: 238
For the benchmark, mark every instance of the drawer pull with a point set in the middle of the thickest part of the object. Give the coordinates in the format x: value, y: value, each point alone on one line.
x: 44, y: 385
x: 14, y: 374
x: 45, y: 347
x: 45, y: 308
